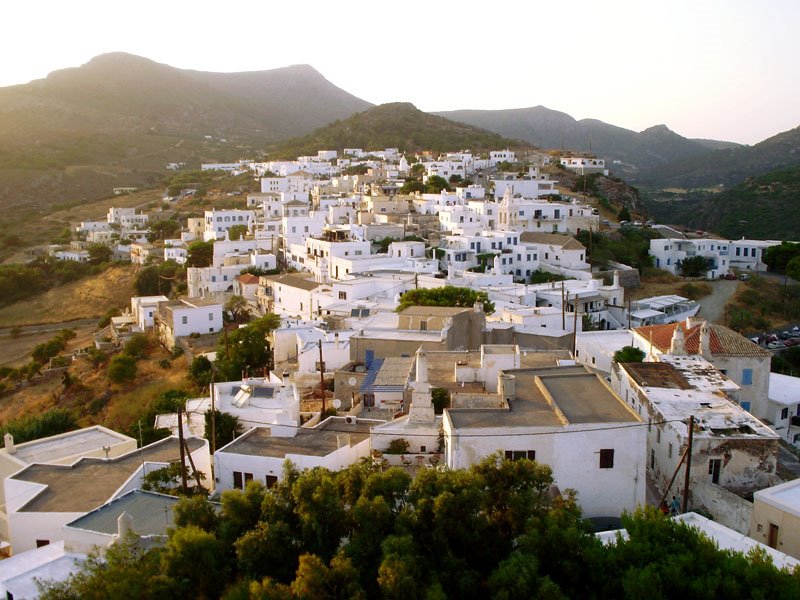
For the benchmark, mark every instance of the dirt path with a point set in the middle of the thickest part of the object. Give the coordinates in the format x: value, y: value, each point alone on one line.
x: 712, y: 307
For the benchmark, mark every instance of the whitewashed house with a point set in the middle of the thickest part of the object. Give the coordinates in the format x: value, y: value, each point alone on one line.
x: 564, y: 417
x: 186, y: 316
x: 260, y: 454
x: 42, y: 498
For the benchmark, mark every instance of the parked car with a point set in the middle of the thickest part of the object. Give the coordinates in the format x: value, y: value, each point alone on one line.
x: 624, y: 223
x: 776, y: 345
x: 729, y: 276
x: 792, y: 342
x: 700, y: 233
x: 595, y: 211
x: 637, y: 223
x: 784, y: 335
x: 744, y: 277
x: 605, y: 222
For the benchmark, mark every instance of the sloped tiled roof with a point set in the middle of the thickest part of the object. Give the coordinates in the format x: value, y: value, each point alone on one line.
x: 724, y: 341
x: 565, y: 241
x: 247, y: 278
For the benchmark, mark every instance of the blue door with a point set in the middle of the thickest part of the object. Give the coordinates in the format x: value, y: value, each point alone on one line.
x: 369, y: 356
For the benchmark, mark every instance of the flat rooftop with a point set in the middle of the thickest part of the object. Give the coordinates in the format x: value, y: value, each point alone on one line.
x: 73, y: 443
x: 316, y: 441
x: 90, y: 482
x: 785, y: 496
x: 550, y: 397
x: 657, y: 374
x: 152, y: 514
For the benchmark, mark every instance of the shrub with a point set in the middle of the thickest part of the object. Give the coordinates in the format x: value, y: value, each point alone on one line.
x: 397, y: 446
x: 122, y: 368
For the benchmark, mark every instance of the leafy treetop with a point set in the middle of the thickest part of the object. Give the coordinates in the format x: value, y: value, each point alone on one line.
x: 448, y: 295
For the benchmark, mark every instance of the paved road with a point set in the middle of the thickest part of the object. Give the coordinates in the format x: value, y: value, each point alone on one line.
x: 45, y: 327
x: 712, y: 307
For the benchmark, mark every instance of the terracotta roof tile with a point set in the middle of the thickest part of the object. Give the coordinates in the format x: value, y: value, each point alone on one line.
x: 724, y: 341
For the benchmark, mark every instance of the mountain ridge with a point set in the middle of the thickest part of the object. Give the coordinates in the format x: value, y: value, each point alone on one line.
x: 395, y: 124
x: 626, y: 151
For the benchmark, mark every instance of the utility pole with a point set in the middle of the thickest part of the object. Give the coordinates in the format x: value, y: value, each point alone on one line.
x: 321, y: 376
x: 563, y: 308
x: 575, y: 327
x: 213, y: 426
x: 184, y: 487
x: 227, y: 348
x: 688, y: 465
x: 629, y: 313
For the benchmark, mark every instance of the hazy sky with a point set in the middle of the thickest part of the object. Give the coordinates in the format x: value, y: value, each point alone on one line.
x: 724, y: 69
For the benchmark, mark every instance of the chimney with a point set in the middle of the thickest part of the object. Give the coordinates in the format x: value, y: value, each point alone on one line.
x: 124, y: 525
x: 336, y: 339
x: 705, y: 340
x: 8, y: 440
x: 616, y: 278
x: 678, y: 344
x: 422, y: 365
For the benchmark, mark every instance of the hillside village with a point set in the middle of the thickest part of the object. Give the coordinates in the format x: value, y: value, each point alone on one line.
x: 423, y: 312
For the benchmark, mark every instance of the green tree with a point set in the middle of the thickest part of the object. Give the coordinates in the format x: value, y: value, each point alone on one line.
x: 196, y: 511
x: 778, y: 257
x: 161, y: 230
x: 246, y: 349
x: 445, y: 296
x: 122, y: 368
x: 793, y: 268
x: 436, y: 184
x: 441, y: 399
x: 237, y: 232
x: 199, y: 254
x: 197, y: 562
x: 628, y: 354
x: 226, y: 427
x: 200, y: 371
x: 137, y: 346
x: 237, y: 307
x: 624, y: 214
x: 99, y: 253
x: 694, y: 266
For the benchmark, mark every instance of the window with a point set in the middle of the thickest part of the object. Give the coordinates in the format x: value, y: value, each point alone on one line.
x: 784, y: 413
x: 607, y: 458
x: 423, y: 326
x: 669, y: 450
x: 423, y: 448
x: 658, y: 436
x: 184, y: 320
x: 237, y: 480
x: 652, y: 459
x: 40, y: 543
x: 714, y: 468
x: 747, y: 376
x: 342, y: 295
x: 520, y: 454
x: 210, y: 316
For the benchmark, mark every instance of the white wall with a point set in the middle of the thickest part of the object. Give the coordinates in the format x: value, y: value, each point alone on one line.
x: 574, y: 458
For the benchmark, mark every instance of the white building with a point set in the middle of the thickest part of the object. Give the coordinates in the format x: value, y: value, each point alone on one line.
x: 42, y: 498
x: 732, y: 451
x: 259, y: 455
x: 745, y: 363
x: 144, y: 308
x: 217, y: 222
x: 566, y: 418
x: 187, y: 316
x: 723, y: 255
x: 584, y: 166
x: 783, y: 406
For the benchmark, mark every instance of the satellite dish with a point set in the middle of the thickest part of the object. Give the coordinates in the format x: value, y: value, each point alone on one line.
x: 352, y: 381
x: 337, y: 404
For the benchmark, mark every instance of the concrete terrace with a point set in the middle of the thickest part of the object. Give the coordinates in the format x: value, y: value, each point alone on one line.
x: 550, y: 397
x: 90, y: 482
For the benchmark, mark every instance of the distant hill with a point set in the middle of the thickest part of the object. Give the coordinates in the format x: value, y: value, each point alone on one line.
x: 765, y: 207
x: 118, y: 119
x: 395, y: 125
x: 729, y: 166
x: 548, y: 128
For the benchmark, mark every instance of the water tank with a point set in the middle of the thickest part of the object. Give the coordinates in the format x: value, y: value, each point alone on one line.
x: 507, y: 387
